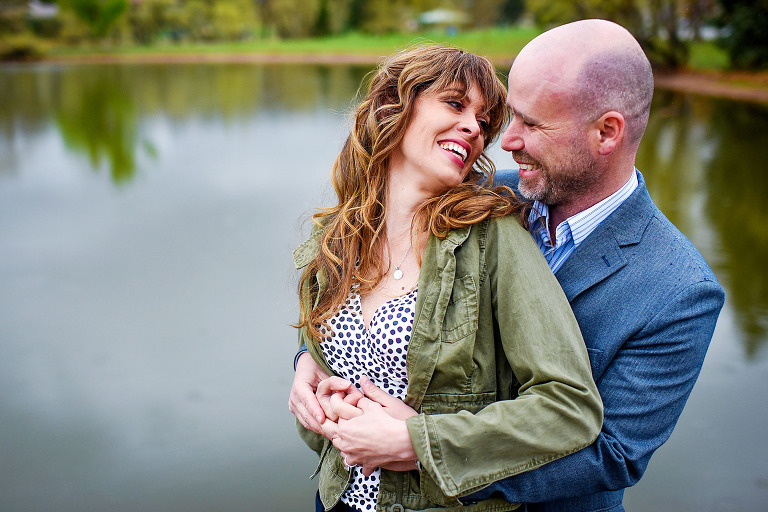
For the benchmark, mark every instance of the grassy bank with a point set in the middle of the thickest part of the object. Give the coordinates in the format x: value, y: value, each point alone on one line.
x: 705, y: 74
x: 497, y: 43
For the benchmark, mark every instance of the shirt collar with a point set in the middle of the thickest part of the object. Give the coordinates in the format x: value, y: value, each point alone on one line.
x: 583, y: 223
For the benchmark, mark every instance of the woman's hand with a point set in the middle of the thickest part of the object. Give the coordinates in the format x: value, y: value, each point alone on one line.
x: 302, y: 401
x: 338, y: 398
x: 374, y: 433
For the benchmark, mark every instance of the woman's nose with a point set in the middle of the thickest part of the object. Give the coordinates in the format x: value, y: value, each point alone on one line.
x: 470, y: 126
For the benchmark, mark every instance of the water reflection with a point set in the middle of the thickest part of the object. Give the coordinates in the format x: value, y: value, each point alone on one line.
x: 145, y: 354
x: 99, y: 110
x: 97, y: 116
x: 737, y: 209
x: 703, y: 160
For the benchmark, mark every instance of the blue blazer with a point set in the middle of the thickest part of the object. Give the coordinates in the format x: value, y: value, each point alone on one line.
x: 647, y: 304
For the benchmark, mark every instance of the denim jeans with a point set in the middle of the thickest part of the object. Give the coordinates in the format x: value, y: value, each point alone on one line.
x: 340, y: 506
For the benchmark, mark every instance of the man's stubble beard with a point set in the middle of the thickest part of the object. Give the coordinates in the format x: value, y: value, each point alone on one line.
x: 559, y: 181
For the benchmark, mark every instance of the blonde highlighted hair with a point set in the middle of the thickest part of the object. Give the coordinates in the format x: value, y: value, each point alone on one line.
x: 352, y: 244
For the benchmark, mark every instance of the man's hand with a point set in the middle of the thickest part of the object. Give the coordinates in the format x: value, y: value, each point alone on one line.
x: 372, y: 439
x: 373, y: 433
x: 392, y: 406
x: 302, y: 401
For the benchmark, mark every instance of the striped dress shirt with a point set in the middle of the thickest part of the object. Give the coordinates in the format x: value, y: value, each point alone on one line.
x: 573, y: 230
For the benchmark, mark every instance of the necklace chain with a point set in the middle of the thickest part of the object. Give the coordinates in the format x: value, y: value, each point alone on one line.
x: 398, y: 273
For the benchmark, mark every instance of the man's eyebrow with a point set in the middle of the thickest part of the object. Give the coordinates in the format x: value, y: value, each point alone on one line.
x: 523, y: 117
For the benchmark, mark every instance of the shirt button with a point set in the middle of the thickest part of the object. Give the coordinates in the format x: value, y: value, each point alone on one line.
x: 397, y: 508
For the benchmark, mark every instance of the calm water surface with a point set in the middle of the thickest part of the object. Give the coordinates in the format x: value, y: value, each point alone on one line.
x: 147, y: 219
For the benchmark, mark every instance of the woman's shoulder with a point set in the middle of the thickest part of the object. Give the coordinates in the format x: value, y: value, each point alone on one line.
x: 509, y: 225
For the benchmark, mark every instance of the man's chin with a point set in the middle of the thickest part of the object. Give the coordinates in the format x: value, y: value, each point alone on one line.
x: 530, y: 191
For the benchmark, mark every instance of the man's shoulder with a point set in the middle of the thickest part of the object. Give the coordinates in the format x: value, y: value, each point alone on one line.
x: 658, y: 245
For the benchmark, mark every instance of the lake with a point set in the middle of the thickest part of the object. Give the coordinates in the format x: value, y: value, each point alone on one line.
x: 147, y: 219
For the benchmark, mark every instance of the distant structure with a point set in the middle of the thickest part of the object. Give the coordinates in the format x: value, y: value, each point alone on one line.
x: 41, y: 11
x: 449, y: 20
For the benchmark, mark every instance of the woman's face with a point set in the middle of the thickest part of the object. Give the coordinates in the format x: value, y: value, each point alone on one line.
x: 442, y: 142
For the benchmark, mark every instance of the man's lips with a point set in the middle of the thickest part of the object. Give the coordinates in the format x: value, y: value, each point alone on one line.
x: 527, y: 170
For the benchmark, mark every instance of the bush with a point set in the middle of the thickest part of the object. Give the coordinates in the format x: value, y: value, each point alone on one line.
x: 20, y: 47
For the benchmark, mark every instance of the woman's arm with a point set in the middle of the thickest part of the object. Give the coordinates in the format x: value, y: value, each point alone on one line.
x: 557, y: 409
x: 372, y: 434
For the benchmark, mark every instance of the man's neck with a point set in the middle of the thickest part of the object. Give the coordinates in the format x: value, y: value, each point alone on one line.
x: 558, y: 213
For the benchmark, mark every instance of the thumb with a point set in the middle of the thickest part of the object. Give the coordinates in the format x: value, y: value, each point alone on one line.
x: 375, y: 393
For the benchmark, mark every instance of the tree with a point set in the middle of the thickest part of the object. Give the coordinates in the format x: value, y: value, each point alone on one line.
x: 746, y: 29
x: 99, y: 15
x: 294, y: 18
x: 657, y: 24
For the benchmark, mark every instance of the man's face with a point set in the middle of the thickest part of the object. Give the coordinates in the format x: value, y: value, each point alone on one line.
x: 546, y: 137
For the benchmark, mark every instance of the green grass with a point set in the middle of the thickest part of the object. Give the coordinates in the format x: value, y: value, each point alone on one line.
x: 707, y: 55
x: 497, y: 42
x: 501, y: 44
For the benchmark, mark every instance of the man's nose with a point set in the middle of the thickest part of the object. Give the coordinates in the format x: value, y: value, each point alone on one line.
x: 512, y: 139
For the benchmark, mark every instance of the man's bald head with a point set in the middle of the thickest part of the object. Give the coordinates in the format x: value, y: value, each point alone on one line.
x: 599, y: 65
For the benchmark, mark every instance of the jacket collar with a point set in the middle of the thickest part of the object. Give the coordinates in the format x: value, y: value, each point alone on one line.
x: 600, y: 254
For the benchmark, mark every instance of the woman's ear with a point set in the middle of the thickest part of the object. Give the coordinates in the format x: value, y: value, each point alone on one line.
x: 611, y: 130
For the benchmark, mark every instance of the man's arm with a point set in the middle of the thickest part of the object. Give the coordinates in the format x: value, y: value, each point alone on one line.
x: 644, y: 389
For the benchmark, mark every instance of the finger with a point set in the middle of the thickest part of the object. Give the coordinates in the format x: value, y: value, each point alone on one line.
x: 330, y: 429
x: 368, y: 470
x: 336, y: 440
x: 341, y: 409
x: 308, y: 422
x: 332, y: 385
x: 353, y: 395
x: 313, y: 408
x: 368, y: 405
x: 375, y: 393
x: 306, y: 418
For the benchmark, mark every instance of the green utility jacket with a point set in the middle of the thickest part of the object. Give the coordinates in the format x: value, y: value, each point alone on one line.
x: 497, y: 370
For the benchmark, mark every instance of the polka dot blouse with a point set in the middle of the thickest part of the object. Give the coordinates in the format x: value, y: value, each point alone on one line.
x: 378, y: 352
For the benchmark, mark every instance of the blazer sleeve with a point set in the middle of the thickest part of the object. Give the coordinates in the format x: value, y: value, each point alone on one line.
x: 644, y: 389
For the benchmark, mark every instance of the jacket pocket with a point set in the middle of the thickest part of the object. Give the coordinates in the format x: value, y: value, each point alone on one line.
x: 462, y: 311
x: 449, y: 403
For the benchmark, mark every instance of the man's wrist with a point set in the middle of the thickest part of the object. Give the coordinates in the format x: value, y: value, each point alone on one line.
x: 301, y: 351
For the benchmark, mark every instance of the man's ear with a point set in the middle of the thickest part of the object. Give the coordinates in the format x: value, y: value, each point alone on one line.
x: 610, y: 131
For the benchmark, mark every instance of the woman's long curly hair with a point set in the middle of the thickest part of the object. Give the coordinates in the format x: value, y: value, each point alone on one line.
x: 352, y: 243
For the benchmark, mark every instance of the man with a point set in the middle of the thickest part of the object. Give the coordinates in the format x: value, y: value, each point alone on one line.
x: 644, y: 298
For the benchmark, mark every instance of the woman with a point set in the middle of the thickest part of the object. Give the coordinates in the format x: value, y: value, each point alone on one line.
x: 424, y: 281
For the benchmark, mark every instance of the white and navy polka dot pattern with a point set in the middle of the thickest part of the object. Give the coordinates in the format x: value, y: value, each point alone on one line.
x: 378, y: 352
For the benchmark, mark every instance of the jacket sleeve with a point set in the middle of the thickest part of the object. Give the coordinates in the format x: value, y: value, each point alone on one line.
x: 644, y: 389
x: 558, y: 409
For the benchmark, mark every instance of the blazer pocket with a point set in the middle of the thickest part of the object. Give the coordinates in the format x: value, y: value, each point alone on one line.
x: 595, y: 360
x: 462, y: 311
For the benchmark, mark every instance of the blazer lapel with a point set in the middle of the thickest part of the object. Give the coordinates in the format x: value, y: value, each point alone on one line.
x: 600, y: 254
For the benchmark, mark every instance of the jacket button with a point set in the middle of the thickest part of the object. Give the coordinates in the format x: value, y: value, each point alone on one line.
x: 397, y: 508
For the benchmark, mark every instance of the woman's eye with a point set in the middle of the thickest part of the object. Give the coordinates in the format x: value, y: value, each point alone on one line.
x: 455, y: 104
x: 484, y: 124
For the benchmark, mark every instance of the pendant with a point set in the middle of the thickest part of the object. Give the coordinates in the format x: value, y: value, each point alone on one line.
x: 398, y: 274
